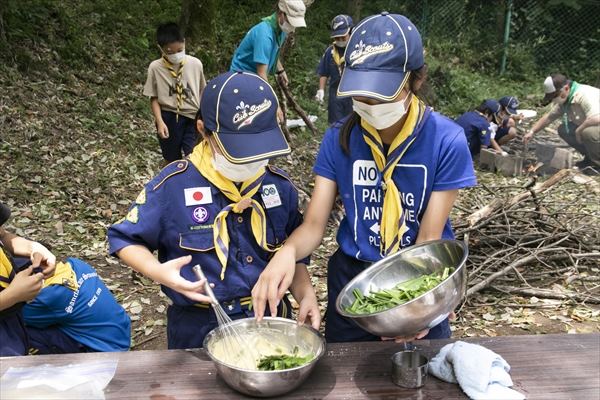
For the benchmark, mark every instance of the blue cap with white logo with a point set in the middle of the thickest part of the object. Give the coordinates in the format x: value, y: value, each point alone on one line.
x: 341, y: 25
x: 381, y: 52
x: 510, y: 103
x: 240, y: 108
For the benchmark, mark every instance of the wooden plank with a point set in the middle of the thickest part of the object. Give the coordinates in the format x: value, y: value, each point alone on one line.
x: 543, y: 367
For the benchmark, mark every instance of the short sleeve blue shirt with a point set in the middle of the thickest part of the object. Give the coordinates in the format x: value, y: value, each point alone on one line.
x: 260, y: 46
x: 174, y: 214
x: 438, y: 160
x: 477, y: 130
x: 90, y: 315
x: 327, y: 67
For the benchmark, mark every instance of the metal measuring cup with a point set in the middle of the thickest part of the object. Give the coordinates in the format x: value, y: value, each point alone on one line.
x: 409, y: 369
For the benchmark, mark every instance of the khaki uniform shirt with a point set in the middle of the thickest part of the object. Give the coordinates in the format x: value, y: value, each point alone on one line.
x: 162, y: 85
x: 585, y: 104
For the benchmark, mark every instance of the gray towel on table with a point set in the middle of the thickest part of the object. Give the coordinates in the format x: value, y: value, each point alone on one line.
x: 481, y: 373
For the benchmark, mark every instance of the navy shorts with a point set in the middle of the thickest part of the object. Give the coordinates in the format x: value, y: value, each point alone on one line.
x: 341, y: 269
x: 337, y: 107
x: 13, y: 336
x: 501, y: 132
x: 52, y: 340
x: 182, y: 136
x: 188, y: 326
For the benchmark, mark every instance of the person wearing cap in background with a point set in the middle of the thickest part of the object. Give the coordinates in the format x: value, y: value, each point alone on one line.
x: 258, y: 52
x: 507, y: 129
x: 224, y: 209
x: 477, y: 125
x: 331, y: 67
x: 396, y: 164
x: 18, y: 287
x: 579, y: 107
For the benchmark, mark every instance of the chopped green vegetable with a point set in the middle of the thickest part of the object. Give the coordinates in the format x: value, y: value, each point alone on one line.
x: 399, y: 294
x: 282, y: 361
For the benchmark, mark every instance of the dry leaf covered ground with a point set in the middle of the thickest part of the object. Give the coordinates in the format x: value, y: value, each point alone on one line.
x: 75, y: 152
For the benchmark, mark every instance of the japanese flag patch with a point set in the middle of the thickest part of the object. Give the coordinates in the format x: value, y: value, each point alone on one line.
x: 197, y: 195
x: 270, y: 196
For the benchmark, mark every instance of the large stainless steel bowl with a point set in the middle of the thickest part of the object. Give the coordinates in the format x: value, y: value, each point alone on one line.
x: 423, y: 312
x: 268, y: 383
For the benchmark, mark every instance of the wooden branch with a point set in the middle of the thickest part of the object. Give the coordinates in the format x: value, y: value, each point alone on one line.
x: 498, y: 204
x: 283, y: 104
x: 548, y: 294
x: 290, y: 98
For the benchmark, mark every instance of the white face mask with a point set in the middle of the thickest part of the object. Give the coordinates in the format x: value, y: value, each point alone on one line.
x: 341, y: 43
x: 287, y: 27
x: 176, y: 58
x: 381, y: 116
x: 237, y: 172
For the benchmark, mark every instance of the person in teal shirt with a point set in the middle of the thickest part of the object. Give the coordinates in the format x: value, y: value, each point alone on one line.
x: 259, y: 50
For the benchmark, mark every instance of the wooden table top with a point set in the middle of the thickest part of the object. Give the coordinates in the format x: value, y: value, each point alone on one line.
x: 542, y: 367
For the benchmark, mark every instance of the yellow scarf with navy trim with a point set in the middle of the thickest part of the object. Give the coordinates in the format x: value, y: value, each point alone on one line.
x: 63, y: 276
x: 393, y: 217
x: 241, y: 199
x: 178, y: 83
x: 6, y: 270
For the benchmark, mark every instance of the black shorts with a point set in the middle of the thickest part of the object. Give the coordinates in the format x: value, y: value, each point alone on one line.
x: 182, y: 136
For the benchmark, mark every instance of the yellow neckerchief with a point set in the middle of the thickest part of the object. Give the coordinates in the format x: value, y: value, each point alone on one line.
x: 241, y: 199
x: 64, y: 276
x: 393, y: 223
x: 6, y: 270
x: 337, y: 58
x: 178, y: 84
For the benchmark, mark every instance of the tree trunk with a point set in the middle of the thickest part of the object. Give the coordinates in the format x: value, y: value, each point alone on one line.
x: 198, y: 20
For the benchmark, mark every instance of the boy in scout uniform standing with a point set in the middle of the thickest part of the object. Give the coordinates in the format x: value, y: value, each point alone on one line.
x: 223, y: 208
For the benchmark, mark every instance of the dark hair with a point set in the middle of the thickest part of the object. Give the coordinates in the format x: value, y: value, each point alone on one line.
x: 354, y: 118
x: 168, y: 33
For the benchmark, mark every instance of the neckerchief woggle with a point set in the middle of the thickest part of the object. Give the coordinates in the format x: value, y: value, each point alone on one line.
x: 178, y: 84
x: 572, y: 88
x: 241, y: 199
x: 64, y: 275
x: 393, y: 217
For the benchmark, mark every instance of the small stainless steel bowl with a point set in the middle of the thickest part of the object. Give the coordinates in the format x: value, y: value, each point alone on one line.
x: 268, y: 383
x: 423, y: 312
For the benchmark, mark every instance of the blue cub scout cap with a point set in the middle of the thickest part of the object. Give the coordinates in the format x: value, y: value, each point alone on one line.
x: 491, y: 105
x: 381, y: 52
x: 240, y: 108
x: 341, y: 25
x: 510, y: 103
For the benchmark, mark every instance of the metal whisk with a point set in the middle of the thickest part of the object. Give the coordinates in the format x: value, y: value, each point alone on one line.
x: 231, y: 336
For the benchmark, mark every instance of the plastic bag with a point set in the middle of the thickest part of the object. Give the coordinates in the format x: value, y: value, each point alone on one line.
x: 73, y: 381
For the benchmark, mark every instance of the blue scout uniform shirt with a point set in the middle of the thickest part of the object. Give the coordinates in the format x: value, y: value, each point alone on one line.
x: 337, y: 107
x: 438, y: 160
x: 259, y: 46
x: 477, y: 130
x: 89, y: 315
x: 174, y: 214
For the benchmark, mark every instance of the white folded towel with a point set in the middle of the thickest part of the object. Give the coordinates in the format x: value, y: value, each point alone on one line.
x: 481, y: 373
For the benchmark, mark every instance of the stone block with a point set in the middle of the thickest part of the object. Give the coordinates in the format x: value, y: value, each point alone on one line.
x: 544, y: 152
x: 509, y: 165
x: 487, y: 160
x: 563, y: 158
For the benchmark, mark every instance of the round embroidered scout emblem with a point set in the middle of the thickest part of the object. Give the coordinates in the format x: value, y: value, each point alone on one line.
x: 200, y: 215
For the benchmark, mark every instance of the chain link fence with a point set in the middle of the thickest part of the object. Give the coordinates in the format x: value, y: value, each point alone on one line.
x: 536, y: 36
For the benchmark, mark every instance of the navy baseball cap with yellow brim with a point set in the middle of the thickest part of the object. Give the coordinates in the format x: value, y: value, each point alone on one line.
x: 381, y: 52
x: 240, y: 109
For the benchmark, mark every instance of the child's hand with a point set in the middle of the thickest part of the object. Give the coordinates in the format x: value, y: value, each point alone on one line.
x: 26, y: 285
x: 309, y: 312
x: 163, y: 131
x: 43, y: 258
x: 273, y: 282
x: 171, y: 277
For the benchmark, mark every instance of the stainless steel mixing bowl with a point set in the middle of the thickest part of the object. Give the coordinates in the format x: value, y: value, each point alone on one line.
x: 423, y: 312
x: 268, y: 383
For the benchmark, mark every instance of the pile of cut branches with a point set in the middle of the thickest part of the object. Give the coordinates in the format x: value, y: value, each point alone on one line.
x: 542, y: 241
